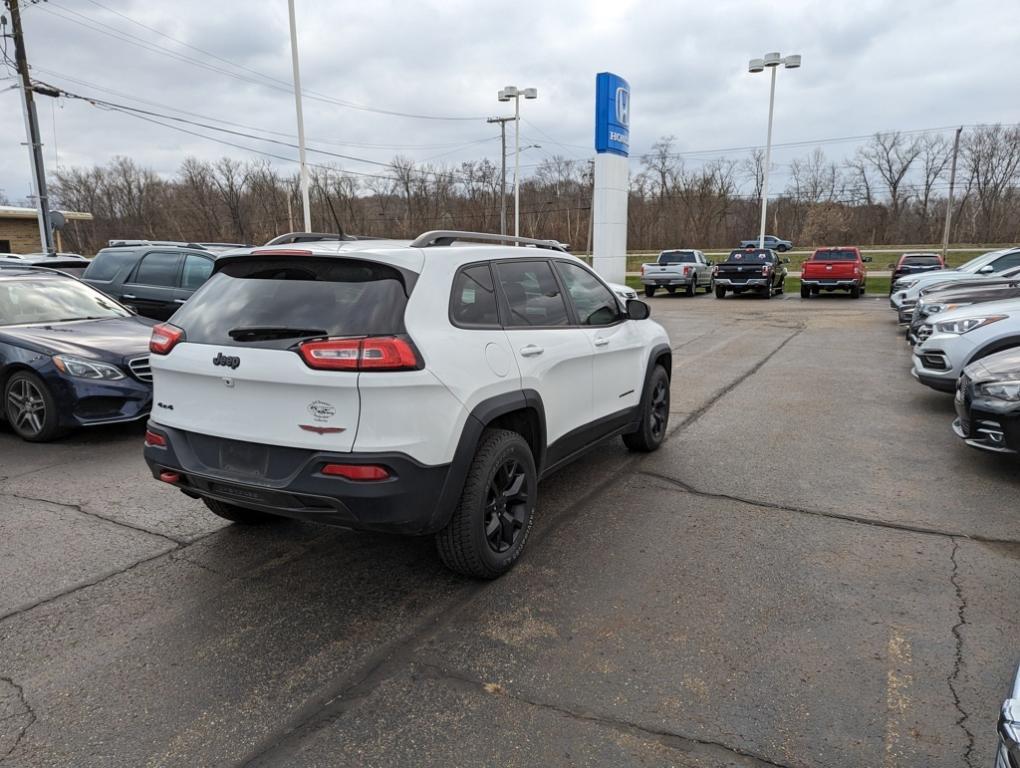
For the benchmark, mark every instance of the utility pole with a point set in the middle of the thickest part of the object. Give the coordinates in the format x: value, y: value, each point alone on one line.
x: 502, y: 170
x: 300, y: 120
x: 42, y: 202
x: 949, y: 202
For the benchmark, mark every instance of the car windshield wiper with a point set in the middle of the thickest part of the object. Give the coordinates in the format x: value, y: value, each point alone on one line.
x: 262, y: 333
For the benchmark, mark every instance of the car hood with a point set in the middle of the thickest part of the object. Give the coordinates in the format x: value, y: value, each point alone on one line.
x: 974, y: 295
x: 997, y: 367
x: 115, y: 339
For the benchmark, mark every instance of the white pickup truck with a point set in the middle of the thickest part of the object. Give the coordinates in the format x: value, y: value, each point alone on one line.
x: 675, y: 269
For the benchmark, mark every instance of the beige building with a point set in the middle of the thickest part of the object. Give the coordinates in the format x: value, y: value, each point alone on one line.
x: 19, y: 229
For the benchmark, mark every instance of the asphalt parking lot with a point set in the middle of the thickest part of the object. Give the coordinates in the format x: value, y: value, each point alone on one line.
x: 813, y: 571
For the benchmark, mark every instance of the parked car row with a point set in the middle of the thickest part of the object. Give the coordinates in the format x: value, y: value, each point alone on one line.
x: 964, y: 327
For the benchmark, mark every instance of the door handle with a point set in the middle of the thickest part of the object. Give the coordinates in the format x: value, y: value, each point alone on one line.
x: 601, y: 342
x: 128, y: 296
x: 531, y: 351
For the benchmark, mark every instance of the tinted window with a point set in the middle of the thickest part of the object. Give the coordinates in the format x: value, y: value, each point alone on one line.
x: 755, y: 255
x: 532, y: 294
x: 677, y: 257
x: 108, y: 263
x: 196, y: 271
x: 473, y: 299
x: 834, y: 256
x: 1007, y: 261
x: 52, y: 300
x: 594, y: 303
x: 327, y: 297
x: 921, y: 261
x: 158, y: 269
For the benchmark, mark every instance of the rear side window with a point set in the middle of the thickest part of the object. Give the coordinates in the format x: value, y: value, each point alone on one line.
x: 532, y: 294
x: 594, y: 303
x: 473, y: 299
x: 316, y: 297
x: 197, y: 270
x: 108, y: 263
x: 159, y: 269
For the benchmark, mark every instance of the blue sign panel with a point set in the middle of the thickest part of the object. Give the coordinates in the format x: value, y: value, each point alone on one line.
x: 612, y: 114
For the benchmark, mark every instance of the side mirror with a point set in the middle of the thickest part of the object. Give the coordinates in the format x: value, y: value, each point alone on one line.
x: 866, y: 258
x: 637, y: 309
x: 987, y: 269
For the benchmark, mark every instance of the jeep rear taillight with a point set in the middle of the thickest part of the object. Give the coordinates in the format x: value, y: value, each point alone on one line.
x: 376, y: 353
x: 164, y: 338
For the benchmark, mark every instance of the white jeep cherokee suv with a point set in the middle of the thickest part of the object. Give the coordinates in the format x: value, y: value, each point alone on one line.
x: 419, y: 388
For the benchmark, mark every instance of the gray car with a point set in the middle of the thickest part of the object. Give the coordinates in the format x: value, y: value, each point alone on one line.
x: 679, y: 268
x: 771, y: 242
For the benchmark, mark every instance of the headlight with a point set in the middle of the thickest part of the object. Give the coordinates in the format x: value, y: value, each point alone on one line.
x: 1001, y: 390
x: 87, y: 369
x: 966, y: 324
x: 933, y: 308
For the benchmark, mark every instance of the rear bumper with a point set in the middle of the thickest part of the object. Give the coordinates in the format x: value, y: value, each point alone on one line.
x: 751, y: 282
x: 821, y: 282
x: 289, y: 482
x: 671, y: 280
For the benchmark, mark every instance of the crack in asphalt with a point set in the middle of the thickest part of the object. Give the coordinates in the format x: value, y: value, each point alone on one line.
x: 82, y: 510
x: 709, y: 748
x: 27, y: 711
x: 846, y: 518
x: 954, y: 676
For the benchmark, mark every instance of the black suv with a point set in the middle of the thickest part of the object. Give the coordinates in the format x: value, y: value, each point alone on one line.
x: 153, y: 280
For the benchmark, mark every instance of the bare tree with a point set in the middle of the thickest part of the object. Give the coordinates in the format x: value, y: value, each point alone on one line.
x: 992, y: 157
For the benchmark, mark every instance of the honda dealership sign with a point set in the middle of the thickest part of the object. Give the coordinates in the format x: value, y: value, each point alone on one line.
x: 612, y: 114
x: 612, y: 176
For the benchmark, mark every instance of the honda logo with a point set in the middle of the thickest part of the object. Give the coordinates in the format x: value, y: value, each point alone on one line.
x: 623, y: 106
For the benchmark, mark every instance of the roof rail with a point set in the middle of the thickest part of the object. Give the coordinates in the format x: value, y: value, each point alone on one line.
x: 308, y: 237
x: 122, y: 243
x: 450, y: 236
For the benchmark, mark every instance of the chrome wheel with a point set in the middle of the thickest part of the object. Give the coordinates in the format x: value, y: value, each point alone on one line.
x: 26, y: 407
x: 506, y: 506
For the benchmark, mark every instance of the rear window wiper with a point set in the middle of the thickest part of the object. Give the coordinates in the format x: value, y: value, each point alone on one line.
x: 263, y: 333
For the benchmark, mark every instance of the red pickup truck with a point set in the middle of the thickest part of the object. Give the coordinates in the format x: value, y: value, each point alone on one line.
x: 831, y: 269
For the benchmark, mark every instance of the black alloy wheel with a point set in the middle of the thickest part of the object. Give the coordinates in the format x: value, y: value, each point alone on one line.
x: 506, y: 506
x: 654, y: 414
x: 30, y: 408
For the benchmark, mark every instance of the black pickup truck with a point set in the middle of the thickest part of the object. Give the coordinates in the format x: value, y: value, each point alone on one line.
x: 753, y: 269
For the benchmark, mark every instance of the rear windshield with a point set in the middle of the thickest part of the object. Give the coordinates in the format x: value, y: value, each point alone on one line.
x: 921, y: 261
x: 834, y: 256
x: 677, y: 257
x: 275, y: 302
x: 109, y: 262
x: 756, y: 255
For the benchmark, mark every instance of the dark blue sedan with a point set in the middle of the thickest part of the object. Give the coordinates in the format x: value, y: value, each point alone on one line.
x: 70, y: 356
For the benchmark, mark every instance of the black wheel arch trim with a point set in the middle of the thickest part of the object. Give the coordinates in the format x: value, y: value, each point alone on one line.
x: 998, y: 345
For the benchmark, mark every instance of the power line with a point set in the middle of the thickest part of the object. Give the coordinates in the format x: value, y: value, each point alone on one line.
x: 264, y: 80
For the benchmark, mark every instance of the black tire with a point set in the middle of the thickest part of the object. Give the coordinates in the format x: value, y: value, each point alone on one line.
x: 782, y: 287
x: 782, y: 248
x: 804, y: 291
x: 855, y: 292
x: 490, y: 527
x: 720, y: 292
x: 864, y: 287
x: 767, y: 293
x: 654, y: 414
x: 689, y: 290
x: 30, y: 408
x: 708, y: 287
x: 649, y: 291
x: 240, y: 515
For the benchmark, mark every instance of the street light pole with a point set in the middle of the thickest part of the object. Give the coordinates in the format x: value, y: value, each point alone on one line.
x: 300, y: 120
x: 949, y: 202
x: 515, y: 93
x: 772, y: 62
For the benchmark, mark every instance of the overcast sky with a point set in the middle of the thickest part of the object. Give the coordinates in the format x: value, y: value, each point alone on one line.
x: 868, y: 66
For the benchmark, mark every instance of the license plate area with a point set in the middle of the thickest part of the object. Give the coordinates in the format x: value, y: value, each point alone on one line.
x: 246, y: 459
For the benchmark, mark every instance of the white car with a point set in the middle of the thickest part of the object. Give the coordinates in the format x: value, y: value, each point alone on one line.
x: 950, y: 341
x: 905, y: 291
x: 418, y: 388
x: 625, y: 293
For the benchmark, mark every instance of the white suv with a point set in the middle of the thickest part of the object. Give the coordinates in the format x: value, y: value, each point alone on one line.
x: 420, y: 388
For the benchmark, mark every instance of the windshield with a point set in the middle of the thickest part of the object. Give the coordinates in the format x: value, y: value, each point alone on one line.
x: 49, y: 300
x: 271, y: 302
x: 835, y: 255
x: 677, y: 257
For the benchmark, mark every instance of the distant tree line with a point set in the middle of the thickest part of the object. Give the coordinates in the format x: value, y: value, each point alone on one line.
x: 892, y: 190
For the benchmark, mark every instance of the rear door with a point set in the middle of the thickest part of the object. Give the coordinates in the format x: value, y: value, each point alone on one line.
x: 151, y: 288
x: 555, y: 357
x: 239, y: 372
x: 619, y: 364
